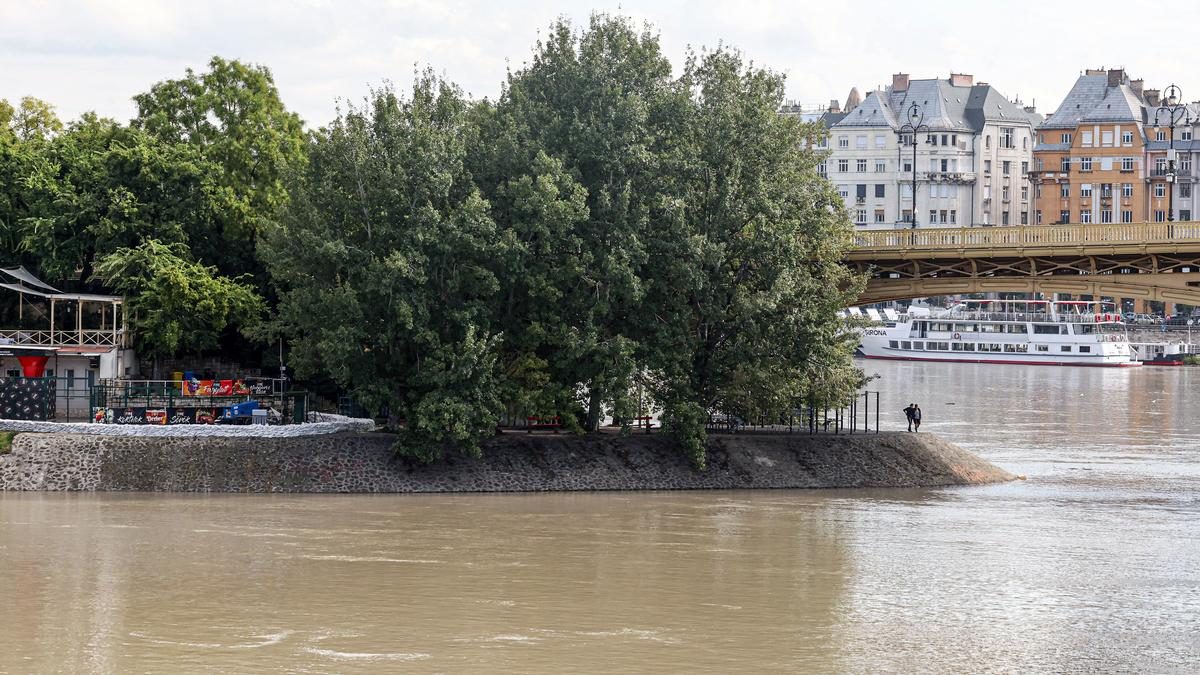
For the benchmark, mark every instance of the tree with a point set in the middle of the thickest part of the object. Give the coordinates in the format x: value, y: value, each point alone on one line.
x: 579, y: 129
x: 179, y: 304
x: 744, y: 277
x: 384, y: 261
x: 233, y: 115
x: 32, y: 119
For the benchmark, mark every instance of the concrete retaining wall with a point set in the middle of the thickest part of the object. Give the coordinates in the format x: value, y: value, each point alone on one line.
x: 364, y: 462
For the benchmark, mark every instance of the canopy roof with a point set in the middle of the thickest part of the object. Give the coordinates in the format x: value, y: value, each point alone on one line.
x: 31, y: 285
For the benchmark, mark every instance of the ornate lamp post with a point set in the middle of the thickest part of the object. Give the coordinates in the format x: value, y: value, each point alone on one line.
x: 1176, y: 112
x: 914, y: 125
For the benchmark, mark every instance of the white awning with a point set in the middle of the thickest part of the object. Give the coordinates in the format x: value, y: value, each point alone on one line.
x: 69, y: 297
x: 24, y: 276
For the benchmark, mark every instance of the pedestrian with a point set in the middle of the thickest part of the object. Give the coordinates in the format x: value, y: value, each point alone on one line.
x: 916, y: 417
x: 908, y: 414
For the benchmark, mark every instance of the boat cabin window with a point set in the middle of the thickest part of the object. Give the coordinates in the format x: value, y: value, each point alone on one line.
x: 1049, y: 329
x: 991, y: 328
x: 945, y: 327
x: 1065, y: 348
x: 905, y: 344
x: 1085, y: 349
x: 1043, y: 348
x: 892, y: 344
x: 918, y: 345
x: 964, y: 328
x: 1085, y: 328
x: 968, y: 346
x: 1017, y: 328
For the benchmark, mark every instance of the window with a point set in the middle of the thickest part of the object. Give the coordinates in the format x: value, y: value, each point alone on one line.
x: 1024, y: 217
x: 987, y: 192
x: 860, y: 216
x: 860, y: 142
x: 1126, y: 189
x: 1024, y: 193
x: 1065, y: 138
x: 1185, y: 165
x: 844, y: 191
x: 1085, y: 139
x: 1004, y: 218
x: 907, y: 166
x: 1126, y: 138
x: 1006, y: 167
x: 860, y: 192
x: 880, y: 215
x: 987, y: 166
x: 1106, y: 215
x: 1040, y: 164
x: 933, y: 166
x: 1160, y: 216
x: 1185, y: 214
x: 1106, y: 139
x: 1085, y: 349
x: 1043, y: 348
x: 1085, y: 215
x: 945, y: 165
x: 893, y: 344
x: 1160, y: 189
x: 843, y: 141
x: 942, y: 216
x: 954, y: 140
x: 1037, y: 217
x: 1127, y: 216
x: 1106, y: 190
x: 953, y: 216
x: 945, y: 138
x: 823, y: 143
x: 879, y: 189
x: 861, y: 166
x: 1024, y: 168
x: 1065, y: 348
x: 1085, y: 163
x: 1064, y: 190
x: 932, y: 216
x: 1185, y: 190
x: 1160, y: 135
x: 906, y: 216
x: 987, y: 141
x: 1085, y: 190
x: 881, y: 166
x: 821, y: 168
x: 1160, y: 166
x: 1185, y: 135
x: 1064, y: 216
x: 1006, y: 137
x: 1065, y: 164
x: 1127, y: 164
x: 880, y: 141
x: 1004, y: 192
x: 1037, y: 191
x: 843, y: 165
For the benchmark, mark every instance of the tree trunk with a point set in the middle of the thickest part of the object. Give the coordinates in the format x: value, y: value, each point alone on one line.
x: 593, y: 416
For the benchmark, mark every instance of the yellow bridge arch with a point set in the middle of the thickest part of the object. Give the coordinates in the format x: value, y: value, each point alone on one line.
x: 1142, y: 261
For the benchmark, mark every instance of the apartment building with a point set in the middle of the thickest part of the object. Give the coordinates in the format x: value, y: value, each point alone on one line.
x: 973, y: 153
x: 1091, y: 161
x: 1186, y: 145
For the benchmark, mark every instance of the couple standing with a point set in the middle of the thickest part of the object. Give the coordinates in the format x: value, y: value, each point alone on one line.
x: 913, y: 413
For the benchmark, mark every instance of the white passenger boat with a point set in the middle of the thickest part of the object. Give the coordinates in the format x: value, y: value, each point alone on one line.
x: 1035, y: 332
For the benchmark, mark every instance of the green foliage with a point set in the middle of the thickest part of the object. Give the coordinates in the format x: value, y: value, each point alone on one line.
x: 6, y: 440
x: 385, y: 263
x: 179, y: 304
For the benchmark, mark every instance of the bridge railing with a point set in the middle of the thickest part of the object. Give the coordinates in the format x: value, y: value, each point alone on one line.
x: 1027, y: 235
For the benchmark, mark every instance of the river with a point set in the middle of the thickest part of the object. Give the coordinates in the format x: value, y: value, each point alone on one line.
x: 1091, y: 564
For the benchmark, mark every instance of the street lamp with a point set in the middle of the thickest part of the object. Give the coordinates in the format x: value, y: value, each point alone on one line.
x: 1176, y: 112
x: 914, y: 125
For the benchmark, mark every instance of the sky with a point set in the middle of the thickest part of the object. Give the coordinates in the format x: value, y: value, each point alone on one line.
x: 83, y: 55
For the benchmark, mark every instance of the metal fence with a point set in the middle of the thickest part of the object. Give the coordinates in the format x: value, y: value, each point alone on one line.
x: 860, y: 415
x: 190, y: 397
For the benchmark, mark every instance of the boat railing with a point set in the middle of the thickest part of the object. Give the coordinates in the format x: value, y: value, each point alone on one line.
x: 1027, y: 317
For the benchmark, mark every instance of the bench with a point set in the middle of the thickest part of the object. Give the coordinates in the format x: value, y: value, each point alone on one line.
x: 532, y: 423
x: 643, y: 421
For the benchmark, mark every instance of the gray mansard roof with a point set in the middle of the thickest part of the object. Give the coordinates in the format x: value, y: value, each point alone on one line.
x: 946, y: 107
x: 1092, y: 100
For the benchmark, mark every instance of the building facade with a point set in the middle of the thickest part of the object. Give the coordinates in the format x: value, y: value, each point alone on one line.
x: 973, y: 151
x: 1091, y: 161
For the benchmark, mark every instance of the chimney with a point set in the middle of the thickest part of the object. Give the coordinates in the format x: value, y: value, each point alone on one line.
x: 1151, y: 96
x: 1095, y: 71
x: 900, y: 82
x: 1030, y: 108
x: 834, y: 106
x: 1136, y: 86
x: 961, y: 80
x: 1116, y: 77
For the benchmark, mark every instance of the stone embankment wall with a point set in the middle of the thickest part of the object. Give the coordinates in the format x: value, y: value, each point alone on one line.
x: 364, y: 462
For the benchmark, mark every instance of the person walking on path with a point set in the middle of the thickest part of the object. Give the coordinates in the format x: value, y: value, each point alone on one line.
x: 916, y: 417
x: 908, y: 413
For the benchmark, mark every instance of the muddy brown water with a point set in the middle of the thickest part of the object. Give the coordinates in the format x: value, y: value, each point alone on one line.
x: 1092, y: 564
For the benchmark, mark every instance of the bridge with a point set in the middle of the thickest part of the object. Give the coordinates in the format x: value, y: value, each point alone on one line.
x: 1142, y: 261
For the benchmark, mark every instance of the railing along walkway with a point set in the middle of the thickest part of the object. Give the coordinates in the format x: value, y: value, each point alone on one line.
x: 1028, y: 235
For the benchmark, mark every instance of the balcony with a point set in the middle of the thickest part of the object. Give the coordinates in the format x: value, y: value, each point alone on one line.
x: 950, y: 176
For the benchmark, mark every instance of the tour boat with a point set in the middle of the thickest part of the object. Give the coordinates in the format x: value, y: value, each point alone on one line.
x: 1033, y: 332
